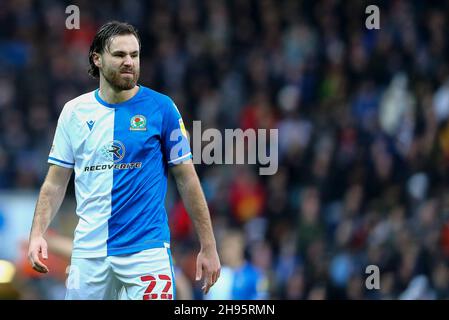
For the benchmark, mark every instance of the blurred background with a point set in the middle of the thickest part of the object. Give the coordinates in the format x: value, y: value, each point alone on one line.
x: 363, y: 139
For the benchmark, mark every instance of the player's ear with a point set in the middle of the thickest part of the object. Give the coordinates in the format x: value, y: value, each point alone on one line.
x: 96, y: 58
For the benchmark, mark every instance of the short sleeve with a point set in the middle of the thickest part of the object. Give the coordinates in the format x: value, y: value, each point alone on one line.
x: 175, y: 143
x: 61, y: 152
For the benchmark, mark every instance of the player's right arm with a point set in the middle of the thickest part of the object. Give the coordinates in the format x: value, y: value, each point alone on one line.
x: 50, y: 198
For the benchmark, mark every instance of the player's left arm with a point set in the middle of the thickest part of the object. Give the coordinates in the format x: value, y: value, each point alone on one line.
x: 208, y: 262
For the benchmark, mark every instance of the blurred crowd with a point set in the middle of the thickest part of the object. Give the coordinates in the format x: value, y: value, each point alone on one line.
x: 363, y: 132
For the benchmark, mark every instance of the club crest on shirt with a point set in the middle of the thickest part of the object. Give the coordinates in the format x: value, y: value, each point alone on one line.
x: 138, y: 123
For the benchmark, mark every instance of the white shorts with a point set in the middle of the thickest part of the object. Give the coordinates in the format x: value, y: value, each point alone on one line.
x: 146, y: 275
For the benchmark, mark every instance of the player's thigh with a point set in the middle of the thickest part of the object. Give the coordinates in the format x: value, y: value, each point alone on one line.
x: 91, y: 279
x: 146, y: 275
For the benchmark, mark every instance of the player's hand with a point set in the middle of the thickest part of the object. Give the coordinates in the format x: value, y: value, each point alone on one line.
x: 208, y: 268
x: 38, y: 246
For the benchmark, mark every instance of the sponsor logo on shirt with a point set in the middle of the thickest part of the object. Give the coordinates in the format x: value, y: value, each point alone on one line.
x: 183, y: 128
x: 116, y: 166
x: 113, y: 152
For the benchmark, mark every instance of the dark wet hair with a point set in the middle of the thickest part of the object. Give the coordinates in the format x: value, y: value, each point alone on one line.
x: 102, y: 39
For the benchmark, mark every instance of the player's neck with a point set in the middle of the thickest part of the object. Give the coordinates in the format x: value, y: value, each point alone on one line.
x: 110, y: 95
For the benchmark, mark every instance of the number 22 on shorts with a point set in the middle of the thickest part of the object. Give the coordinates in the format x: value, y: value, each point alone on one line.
x: 149, y: 295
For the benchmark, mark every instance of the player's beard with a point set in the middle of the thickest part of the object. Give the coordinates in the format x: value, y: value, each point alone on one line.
x: 117, y: 81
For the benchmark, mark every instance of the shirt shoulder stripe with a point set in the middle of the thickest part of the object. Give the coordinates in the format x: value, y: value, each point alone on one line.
x: 184, y: 157
x: 60, y: 161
